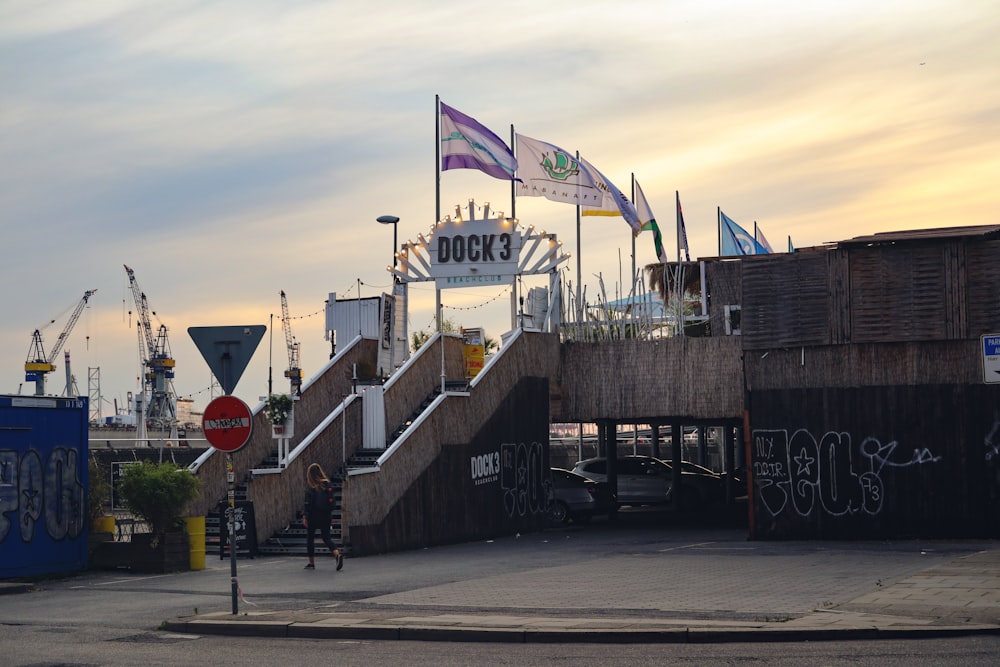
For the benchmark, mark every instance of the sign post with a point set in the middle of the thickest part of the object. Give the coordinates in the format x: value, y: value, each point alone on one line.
x: 228, y: 424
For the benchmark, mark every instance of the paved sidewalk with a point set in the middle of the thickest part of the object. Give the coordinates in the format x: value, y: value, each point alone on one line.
x: 713, y: 591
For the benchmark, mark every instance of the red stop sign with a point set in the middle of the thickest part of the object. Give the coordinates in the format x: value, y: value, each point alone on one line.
x: 227, y: 423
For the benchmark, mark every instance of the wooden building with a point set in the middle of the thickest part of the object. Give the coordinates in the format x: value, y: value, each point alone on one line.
x: 870, y: 414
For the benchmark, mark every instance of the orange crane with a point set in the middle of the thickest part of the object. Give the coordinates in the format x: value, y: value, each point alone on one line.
x: 38, y: 364
x: 294, y: 373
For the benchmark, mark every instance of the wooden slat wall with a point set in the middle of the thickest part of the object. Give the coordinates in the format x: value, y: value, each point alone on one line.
x: 840, y: 297
x: 898, y: 293
x: 956, y: 315
x: 983, y: 288
x: 786, y: 300
x: 724, y: 288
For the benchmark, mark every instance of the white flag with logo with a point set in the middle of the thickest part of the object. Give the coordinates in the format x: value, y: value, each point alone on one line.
x: 548, y: 171
x: 615, y: 202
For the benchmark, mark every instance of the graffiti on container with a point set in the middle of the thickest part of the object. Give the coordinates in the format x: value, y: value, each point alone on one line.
x: 522, y: 478
x: 830, y: 475
x: 33, y: 492
x: 992, y: 441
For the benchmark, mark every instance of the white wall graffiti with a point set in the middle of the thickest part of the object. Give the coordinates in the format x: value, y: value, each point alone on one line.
x: 33, y: 491
x: 828, y: 475
x: 522, y: 478
x: 992, y: 441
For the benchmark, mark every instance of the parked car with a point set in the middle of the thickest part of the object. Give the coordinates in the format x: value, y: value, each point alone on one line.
x: 577, y: 498
x: 644, y: 480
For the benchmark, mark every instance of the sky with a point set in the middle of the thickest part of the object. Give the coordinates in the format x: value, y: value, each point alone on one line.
x: 232, y: 149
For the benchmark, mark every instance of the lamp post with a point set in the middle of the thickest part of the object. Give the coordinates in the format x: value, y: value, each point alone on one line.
x: 394, y: 221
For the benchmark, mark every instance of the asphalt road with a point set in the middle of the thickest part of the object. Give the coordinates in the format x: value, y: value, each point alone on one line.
x: 643, y: 566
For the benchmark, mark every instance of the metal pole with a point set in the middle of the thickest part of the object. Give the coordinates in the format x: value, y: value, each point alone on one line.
x: 231, y: 480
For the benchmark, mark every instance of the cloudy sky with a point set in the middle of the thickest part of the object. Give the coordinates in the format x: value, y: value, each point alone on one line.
x: 228, y: 150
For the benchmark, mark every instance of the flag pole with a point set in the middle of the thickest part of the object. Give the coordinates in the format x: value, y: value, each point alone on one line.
x: 513, y: 215
x: 437, y: 158
x: 718, y: 227
x: 513, y: 181
x: 633, y: 235
x: 437, y: 205
x: 679, y: 275
x: 579, y: 253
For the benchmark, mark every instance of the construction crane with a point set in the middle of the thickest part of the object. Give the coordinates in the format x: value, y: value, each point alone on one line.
x: 294, y: 373
x: 38, y: 364
x: 160, y: 409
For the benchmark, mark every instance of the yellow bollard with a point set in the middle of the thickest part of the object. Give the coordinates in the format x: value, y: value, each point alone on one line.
x: 104, y: 524
x: 196, y: 537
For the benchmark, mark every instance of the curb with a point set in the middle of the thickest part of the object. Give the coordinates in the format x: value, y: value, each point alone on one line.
x: 681, y: 635
x: 16, y: 587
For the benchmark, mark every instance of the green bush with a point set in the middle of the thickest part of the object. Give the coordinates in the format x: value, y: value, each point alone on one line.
x: 159, y: 493
x: 98, y: 492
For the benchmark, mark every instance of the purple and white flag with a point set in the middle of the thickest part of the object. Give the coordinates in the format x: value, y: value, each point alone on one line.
x: 467, y: 144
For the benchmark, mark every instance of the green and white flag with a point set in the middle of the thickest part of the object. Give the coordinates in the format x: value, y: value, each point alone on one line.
x: 648, y: 221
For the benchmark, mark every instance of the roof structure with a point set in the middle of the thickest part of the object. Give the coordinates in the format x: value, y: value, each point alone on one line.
x: 980, y: 232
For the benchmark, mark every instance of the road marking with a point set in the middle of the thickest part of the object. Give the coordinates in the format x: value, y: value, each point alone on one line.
x: 686, y: 546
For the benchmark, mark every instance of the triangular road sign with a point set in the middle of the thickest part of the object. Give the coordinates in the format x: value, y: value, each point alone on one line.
x: 227, y: 350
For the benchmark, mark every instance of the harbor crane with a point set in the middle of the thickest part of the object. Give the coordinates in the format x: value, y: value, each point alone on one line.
x: 154, y: 350
x: 38, y: 364
x: 294, y: 373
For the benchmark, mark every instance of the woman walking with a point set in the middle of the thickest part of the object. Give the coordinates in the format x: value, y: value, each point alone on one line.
x: 319, y: 507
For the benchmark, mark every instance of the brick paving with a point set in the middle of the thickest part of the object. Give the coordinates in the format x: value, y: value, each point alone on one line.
x: 662, y: 591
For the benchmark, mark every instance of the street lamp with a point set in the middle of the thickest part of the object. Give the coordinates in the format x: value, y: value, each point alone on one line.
x: 394, y: 221
x: 391, y: 220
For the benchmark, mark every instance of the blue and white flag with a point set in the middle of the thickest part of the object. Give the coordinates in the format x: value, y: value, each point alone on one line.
x: 467, y: 144
x: 759, y: 237
x: 545, y: 170
x: 736, y: 240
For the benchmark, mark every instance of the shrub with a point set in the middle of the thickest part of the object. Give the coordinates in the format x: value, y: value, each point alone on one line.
x: 98, y: 492
x: 159, y: 493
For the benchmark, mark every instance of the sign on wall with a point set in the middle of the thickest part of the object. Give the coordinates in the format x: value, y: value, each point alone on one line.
x: 475, y: 252
x: 470, y: 253
x: 991, y: 358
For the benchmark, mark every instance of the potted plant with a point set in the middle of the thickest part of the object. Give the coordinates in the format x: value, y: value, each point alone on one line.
x: 278, y: 409
x: 159, y: 493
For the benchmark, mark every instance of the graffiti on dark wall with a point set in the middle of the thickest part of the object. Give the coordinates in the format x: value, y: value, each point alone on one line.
x: 830, y: 475
x: 37, y: 494
x: 522, y: 478
x: 992, y: 441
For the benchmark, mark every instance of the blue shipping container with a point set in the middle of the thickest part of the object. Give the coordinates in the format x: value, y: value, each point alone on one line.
x: 43, y: 485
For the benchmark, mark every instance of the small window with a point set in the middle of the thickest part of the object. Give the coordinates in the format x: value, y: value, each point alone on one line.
x: 732, y: 320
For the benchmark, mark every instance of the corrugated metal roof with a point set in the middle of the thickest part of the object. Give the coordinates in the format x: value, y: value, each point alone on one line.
x: 981, y: 232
